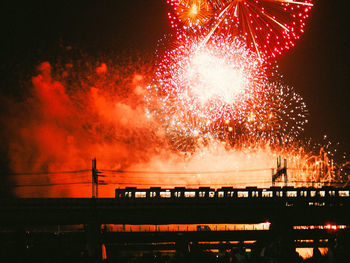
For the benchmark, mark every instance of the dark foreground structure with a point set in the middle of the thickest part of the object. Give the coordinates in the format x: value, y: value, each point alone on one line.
x: 284, y: 208
x: 274, y: 247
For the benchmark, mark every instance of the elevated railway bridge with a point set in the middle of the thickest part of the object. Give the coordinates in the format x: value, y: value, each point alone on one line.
x: 282, y: 207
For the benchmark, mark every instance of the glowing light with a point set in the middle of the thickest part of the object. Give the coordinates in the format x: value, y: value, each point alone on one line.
x: 269, y: 27
x: 191, y: 12
x: 208, y: 82
x: 211, y: 107
x: 215, y: 78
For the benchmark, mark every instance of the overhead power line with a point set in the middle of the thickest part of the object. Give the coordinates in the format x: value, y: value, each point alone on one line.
x: 50, y: 184
x: 184, y: 172
x: 49, y: 173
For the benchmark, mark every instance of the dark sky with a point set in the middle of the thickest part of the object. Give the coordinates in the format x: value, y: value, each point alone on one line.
x: 318, y: 67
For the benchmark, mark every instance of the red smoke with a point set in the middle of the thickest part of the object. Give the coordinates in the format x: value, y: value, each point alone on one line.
x: 76, y: 113
x: 74, y: 117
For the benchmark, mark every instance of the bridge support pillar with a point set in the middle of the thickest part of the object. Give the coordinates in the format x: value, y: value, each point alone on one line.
x: 182, y: 246
x: 282, y: 241
x: 93, y: 240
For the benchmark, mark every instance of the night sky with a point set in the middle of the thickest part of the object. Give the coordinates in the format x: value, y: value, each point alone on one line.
x: 317, y: 67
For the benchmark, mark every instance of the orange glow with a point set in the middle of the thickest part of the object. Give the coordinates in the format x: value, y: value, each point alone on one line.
x: 64, y: 125
x: 187, y: 227
x: 192, y: 12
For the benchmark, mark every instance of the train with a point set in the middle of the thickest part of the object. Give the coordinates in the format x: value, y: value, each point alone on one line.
x: 231, y: 192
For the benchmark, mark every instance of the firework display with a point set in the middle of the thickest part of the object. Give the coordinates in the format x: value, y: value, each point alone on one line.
x: 269, y: 27
x: 213, y: 81
x: 220, y: 89
x: 217, y: 83
x: 208, y: 109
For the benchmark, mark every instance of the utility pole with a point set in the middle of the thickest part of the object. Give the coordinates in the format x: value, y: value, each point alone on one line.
x: 94, y: 174
x: 95, y: 182
x: 93, y: 227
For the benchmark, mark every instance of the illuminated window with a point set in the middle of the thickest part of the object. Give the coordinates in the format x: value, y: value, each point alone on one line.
x: 343, y: 193
x: 177, y: 194
x: 255, y: 194
x: 140, y: 194
x: 313, y: 193
x: 292, y: 193
x: 211, y: 194
x: 322, y: 193
x: 201, y: 194
x: 267, y: 194
x: 331, y: 193
x: 279, y: 193
x: 128, y: 194
x: 221, y: 194
x: 190, y: 194
x: 303, y: 193
x: 152, y: 194
x: 242, y: 194
x: 165, y: 194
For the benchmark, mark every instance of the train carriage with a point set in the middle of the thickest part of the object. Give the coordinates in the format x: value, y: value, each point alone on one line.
x: 287, y: 193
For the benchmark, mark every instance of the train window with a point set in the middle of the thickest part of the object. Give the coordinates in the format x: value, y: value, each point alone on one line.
x: 303, y: 193
x: 343, y: 193
x: 201, y: 194
x: 322, y: 193
x: 165, y: 194
x: 177, y: 194
x: 313, y: 193
x: 190, y: 194
x: 242, y: 193
x: 292, y: 193
x: 279, y: 193
x: 266, y: 193
x: 128, y: 194
x: 152, y: 194
x: 255, y: 194
x: 221, y: 194
x: 211, y: 194
x: 140, y: 194
x: 331, y: 193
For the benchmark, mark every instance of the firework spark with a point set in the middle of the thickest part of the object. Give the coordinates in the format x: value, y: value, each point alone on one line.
x: 269, y: 27
x: 210, y: 76
x: 279, y: 115
x: 207, y: 83
x: 219, y: 89
x: 192, y: 13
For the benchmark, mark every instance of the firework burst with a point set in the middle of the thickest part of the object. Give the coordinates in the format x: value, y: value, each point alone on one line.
x: 269, y: 27
x: 278, y: 115
x: 201, y: 86
x: 219, y: 89
x: 192, y: 13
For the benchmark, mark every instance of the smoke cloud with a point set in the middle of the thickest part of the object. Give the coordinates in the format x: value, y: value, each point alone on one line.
x: 76, y: 113
x: 61, y: 128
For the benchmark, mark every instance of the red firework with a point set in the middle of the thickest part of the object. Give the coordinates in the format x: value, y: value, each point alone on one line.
x: 269, y: 27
